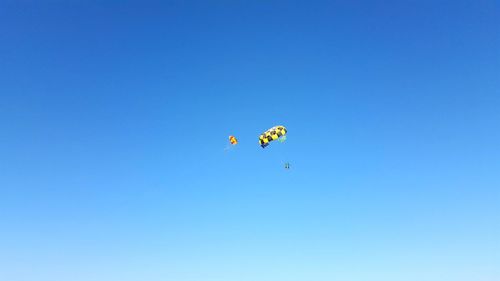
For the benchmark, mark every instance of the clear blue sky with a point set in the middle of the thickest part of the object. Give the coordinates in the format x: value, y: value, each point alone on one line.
x: 115, y: 115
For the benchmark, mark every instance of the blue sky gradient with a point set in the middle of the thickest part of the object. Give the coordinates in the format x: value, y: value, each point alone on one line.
x: 115, y: 116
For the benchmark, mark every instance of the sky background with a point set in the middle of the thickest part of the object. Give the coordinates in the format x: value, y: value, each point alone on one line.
x: 114, y: 117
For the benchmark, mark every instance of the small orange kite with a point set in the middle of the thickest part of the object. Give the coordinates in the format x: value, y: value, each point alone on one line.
x: 233, y: 140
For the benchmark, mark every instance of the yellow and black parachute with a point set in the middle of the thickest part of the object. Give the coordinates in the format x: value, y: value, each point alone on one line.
x: 276, y: 132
